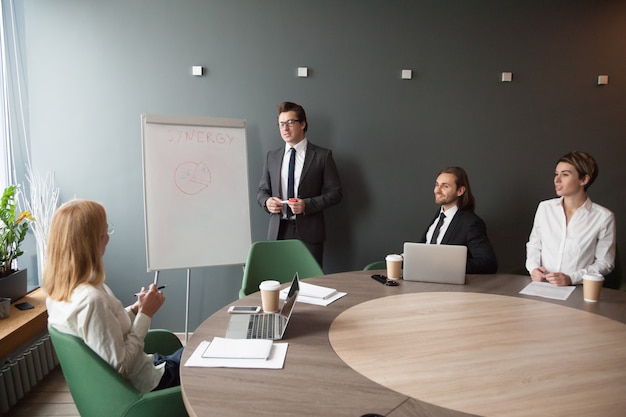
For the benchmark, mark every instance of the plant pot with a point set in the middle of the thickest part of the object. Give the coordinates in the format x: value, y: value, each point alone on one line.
x: 14, y: 286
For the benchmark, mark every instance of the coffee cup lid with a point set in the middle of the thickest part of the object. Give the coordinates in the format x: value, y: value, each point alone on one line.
x: 393, y: 257
x: 593, y: 277
x: 269, y: 285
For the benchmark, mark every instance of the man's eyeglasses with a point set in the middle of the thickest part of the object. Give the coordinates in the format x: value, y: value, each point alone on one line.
x: 289, y: 122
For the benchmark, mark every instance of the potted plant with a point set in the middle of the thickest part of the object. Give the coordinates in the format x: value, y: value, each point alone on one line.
x: 13, y: 228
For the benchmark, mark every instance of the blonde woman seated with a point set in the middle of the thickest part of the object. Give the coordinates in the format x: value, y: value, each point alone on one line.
x: 81, y: 304
x: 571, y: 235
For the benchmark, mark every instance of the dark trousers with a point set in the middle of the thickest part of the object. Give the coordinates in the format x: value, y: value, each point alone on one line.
x: 289, y: 230
x: 171, y: 377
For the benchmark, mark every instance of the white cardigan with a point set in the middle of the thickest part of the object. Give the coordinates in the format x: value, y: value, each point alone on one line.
x: 114, y: 333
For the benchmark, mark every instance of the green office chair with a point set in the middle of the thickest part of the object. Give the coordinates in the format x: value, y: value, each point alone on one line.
x: 98, y: 390
x: 375, y: 265
x: 277, y: 260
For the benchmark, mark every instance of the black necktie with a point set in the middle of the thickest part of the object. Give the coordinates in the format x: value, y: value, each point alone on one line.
x: 433, y: 240
x: 291, y: 188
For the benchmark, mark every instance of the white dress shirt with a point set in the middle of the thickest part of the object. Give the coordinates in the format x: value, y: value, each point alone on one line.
x: 300, y: 148
x: 444, y: 227
x: 114, y: 333
x: 586, y: 244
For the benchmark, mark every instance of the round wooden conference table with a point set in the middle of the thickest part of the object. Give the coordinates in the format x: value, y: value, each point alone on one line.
x: 424, y: 349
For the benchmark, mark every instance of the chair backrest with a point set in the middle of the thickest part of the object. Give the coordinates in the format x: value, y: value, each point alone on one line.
x: 614, y: 279
x: 277, y: 260
x: 87, y: 375
x: 98, y: 390
x: 375, y: 265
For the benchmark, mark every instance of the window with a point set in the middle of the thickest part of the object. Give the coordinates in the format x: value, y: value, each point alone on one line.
x: 5, y: 143
x: 15, y: 162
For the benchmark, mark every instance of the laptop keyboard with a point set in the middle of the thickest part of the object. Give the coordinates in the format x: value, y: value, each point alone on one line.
x: 261, y: 326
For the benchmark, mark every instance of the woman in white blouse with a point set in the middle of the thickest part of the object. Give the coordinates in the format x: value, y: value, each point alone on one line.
x: 81, y: 304
x: 571, y: 235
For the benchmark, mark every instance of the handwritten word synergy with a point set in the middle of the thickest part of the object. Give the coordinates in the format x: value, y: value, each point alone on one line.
x: 200, y: 136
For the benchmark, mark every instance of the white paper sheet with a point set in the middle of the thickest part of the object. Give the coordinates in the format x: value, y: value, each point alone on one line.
x: 222, y: 348
x: 275, y: 361
x: 547, y: 290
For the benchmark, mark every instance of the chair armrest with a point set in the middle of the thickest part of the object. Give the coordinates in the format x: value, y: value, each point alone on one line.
x: 166, y: 403
x: 162, y: 341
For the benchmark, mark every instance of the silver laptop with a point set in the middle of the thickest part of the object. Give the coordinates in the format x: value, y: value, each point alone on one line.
x: 434, y: 263
x: 265, y: 325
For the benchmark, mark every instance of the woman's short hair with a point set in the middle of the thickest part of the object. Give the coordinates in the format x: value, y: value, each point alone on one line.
x: 584, y: 164
x: 74, y: 250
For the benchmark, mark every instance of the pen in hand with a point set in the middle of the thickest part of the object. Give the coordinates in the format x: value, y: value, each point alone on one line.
x: 160, y: 288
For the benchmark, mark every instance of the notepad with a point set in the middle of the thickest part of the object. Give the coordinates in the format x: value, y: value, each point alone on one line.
x: 316, y: 291
x: 275, y: 361
x: 316, y: 295
x: 222, y: 348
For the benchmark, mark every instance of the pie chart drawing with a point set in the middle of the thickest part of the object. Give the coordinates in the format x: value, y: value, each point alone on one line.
x: 192, y: 177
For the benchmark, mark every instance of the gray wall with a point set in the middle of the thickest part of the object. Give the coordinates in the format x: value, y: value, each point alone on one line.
x: 94, y: 67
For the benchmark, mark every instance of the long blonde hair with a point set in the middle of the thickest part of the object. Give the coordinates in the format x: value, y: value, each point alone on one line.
x: 74, y: 254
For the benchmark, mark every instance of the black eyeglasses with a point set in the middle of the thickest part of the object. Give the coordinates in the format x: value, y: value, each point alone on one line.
x: 289, y: 122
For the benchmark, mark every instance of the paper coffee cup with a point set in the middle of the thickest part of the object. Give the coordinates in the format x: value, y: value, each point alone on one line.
x: 269, y: 295
x: 592, y: 284
x: 394, y: 266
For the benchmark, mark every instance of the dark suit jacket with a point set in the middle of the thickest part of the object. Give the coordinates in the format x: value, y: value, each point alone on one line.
x: 467, y: 229
x: 319, y: 187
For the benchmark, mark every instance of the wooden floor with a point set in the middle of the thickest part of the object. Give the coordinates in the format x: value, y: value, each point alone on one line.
x: 50, y: 397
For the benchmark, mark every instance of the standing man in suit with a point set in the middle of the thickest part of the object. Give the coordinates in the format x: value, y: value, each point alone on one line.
x: 457, y: 224
x: 298, y: 213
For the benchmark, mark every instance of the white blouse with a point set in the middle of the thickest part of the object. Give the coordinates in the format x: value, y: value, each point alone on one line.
x: 586, y: 244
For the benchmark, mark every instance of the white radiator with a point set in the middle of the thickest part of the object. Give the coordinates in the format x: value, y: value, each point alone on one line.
x: 21, y: 373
